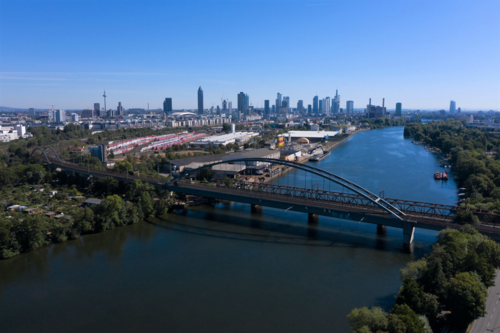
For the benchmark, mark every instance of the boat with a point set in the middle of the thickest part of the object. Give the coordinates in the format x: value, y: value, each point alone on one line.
x: 315, y: 158
x: 437, y: 175
x: 444, y: 176
x: 319, y: 157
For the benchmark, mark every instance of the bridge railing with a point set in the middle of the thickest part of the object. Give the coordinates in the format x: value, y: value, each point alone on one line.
x: 348, y: 200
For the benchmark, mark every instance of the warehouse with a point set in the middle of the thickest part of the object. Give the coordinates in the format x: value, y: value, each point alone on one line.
x: 238, y: 137
x: 311, y: 136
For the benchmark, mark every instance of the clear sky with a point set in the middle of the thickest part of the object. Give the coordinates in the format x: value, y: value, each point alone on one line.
x: 418, y: 52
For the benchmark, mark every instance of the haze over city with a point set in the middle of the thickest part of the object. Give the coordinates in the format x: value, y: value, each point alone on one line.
x: 422, y: 54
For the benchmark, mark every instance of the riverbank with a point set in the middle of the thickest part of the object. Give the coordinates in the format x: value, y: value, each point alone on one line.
x: 332, y: 144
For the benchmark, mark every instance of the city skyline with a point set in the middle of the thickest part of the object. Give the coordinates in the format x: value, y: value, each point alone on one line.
x: 61, y: 71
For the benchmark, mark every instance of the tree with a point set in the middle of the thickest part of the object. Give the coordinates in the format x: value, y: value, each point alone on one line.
x: 412, y: 269
x: 433, y: 279
x: 374, y: 318
x: 409, y: 318
x: 226, y: 127
x: 465, y: 299
x: 412, y: 295
x: 160, y: 207
x: 146, y: 204
x: 109, y: 212
x: 111, y: 154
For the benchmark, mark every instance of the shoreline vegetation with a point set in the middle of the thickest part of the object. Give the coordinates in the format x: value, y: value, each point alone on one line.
x: 448, y: 286
x: 472, y: 154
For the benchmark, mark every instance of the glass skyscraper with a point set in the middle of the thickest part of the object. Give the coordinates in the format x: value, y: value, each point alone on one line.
x: 315, y: 104
x: 453, y: 107
x: 200, y: 101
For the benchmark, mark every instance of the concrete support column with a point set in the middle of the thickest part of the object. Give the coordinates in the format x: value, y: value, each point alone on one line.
x: 408, y: 230
x: 256, y: 208
x: 312, y: 218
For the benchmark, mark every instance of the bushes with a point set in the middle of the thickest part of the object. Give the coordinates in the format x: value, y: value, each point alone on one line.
x: 466, y: 217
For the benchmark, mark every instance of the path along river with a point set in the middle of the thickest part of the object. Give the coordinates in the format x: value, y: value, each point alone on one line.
x: 224, y: 269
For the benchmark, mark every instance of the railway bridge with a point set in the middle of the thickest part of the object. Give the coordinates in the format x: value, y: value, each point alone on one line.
x: 319, y: 193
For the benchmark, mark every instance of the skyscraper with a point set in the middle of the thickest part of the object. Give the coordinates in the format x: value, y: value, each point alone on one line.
x: 200, y: 101
x: 453, y: 107
x: 309, y: 108
x: 315, y: 104
x: 287, y: 100
x: 97, y: 109
x: 320, y: 106
x: 349, y: 108
x: 398, y: 109
x: 278, y: 101
x: 224, y: 106
x: 326, y: 105
x: 336, y: 103
x: 60, y: 116
x: 241, y: 104
x: 167, y: 105
x: 266, y: 107
x: 230, y: 107
x: 247, y: 104
x: 31, y: 112
x: 300, y: 106
x: 119, y: 109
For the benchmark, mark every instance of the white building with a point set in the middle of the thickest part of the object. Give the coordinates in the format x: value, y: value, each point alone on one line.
x: 8, y: 133
x: 224, y: 139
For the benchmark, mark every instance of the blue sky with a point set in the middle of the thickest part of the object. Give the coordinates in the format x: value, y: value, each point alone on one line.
x: 418, y: 52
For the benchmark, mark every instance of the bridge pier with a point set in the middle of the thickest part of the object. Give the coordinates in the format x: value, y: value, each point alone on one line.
x: 380, y: 229
x: 408, y: 231
x: 256, y: 208
x: 312, y: 218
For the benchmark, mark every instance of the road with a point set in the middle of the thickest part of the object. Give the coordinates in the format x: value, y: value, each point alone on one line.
x: 490, y: 322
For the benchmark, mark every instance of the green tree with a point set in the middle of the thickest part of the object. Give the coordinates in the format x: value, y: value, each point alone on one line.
x: 433, y: 279
x: 111, y: 154
x: 409, y: 318
x: 465, y: 299
x: 412, y: 295
x: 374, y: 318
x: 146, y: 204
x: 226, y: 127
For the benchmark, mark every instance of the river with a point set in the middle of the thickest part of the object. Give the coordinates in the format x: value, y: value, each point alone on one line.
x: 224, y: 269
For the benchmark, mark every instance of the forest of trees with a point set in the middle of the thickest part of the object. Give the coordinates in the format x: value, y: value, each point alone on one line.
x: 455, y: 277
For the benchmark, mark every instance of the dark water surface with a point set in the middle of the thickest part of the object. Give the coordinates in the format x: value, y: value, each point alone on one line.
x: 224, y: 269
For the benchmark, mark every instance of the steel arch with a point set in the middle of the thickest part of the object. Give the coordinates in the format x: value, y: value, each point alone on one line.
x: 42, y: 150
x: 316, y: 171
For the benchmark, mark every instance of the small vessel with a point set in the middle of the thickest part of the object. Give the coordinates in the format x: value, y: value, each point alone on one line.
x: 319, y: 157
x: 437, y: 175
x: 444, y: 176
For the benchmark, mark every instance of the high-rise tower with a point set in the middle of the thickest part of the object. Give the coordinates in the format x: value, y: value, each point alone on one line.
x: 453, y: 107
x: 336, y: 103
x: 200, y: 101
x: 167, y: 106
x: 349, y: 108
x: 315, y: 104
x: 104, y: 100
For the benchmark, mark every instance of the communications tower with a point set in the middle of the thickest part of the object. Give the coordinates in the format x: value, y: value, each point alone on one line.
x: 104, y: 100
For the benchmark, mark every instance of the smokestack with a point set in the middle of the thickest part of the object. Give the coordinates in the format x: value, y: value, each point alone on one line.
x: 383, y: 102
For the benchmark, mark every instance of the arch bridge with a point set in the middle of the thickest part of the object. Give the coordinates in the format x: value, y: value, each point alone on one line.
x: 307, y: 189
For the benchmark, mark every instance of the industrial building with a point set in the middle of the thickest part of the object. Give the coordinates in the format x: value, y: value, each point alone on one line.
x: 311, y: 136
x: 238, y: 137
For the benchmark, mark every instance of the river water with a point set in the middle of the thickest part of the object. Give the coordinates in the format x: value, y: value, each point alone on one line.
x: 224, y: 269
